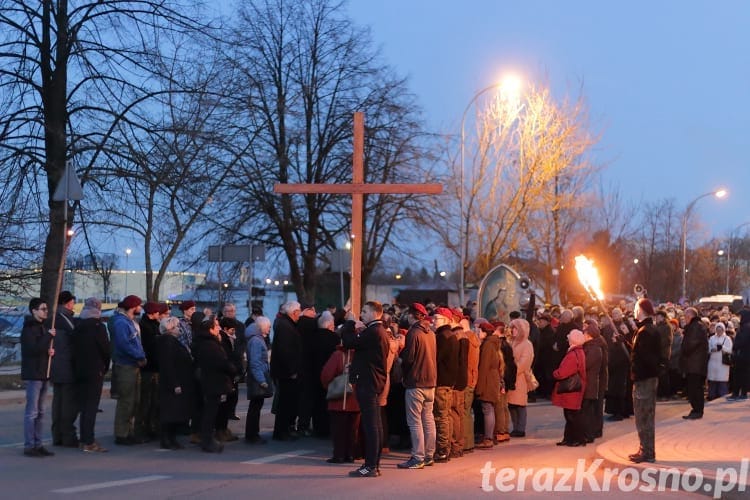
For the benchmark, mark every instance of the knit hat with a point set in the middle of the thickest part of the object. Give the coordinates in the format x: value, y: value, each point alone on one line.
x: 575, y: 337
x: 130, y: 302
x: 92, y: 308
x: 187, y: 304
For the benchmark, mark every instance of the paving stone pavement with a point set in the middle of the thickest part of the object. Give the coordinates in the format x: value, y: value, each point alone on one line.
x: 718, y: 441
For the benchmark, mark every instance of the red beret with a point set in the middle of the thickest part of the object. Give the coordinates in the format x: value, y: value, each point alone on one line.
x: 444, y: 312
x: 187, y: 305
x: 130, y: 302
x: 418, y: 308
x: 151, y: 307
x: 163, y: 308
x: 487, y: 327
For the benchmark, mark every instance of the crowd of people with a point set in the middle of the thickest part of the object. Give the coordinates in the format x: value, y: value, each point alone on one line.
x: 436, y: 380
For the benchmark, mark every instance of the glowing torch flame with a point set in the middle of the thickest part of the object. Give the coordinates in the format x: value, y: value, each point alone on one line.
x: 588, y: 277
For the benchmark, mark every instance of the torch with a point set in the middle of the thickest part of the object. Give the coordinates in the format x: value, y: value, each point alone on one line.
x: 589, y: 278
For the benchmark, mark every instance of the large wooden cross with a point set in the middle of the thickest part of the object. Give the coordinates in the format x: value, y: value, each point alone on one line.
x: 357, y: 189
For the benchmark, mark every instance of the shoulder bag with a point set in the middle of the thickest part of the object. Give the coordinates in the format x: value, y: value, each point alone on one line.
x: 572, y: 383
x: 340, y: 386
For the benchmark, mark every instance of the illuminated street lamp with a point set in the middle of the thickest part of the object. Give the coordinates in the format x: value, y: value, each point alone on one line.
x: 512, y: 84
x: 721, y: 193
x: 127, y: 269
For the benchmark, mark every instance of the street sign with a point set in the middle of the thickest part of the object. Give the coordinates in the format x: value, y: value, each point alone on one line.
x: 236, y: 253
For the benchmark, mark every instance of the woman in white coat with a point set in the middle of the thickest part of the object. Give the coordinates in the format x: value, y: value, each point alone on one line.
x: 718, y: 372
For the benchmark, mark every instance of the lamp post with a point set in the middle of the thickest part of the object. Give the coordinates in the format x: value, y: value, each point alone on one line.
x: 127, y: 269
x: 721, y: 193
x: 341, y: 252
x: 463, y: 227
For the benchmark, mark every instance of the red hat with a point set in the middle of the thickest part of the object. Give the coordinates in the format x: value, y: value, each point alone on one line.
x: 444, y: 312
x: 163, y: 308
x: 151, y: 307
x: 418, y: 308
x: 486, y: 326
x: 130, y: 302
x: 458, y: 314
x: 187, y: 305
x: 498, y: 324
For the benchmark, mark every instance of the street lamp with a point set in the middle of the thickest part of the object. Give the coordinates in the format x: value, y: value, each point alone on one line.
x: 127, y: 269
x: 721, y: 193
x: 512, y: 84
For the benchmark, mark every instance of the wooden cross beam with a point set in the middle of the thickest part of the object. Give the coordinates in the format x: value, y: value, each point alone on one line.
x: 357, y: 189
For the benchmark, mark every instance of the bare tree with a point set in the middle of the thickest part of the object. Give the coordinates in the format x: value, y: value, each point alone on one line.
x: 302, y: 69
x: 70, y: 72
x: 525, y: 183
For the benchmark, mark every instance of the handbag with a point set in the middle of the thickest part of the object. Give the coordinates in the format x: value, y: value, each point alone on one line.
x: 726, y: 357
x: 532, y: 383
x: 255, y: 390
x: 340, y: 386
x: 570, y: 384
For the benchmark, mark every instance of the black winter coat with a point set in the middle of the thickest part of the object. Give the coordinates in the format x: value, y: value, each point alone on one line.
x: 35, y: 341
x: 216, y: 370
x: 175, y: 370
x: 645, y: 357
x: 447, y: 356
x: 286, y: 349
x: 62, y: 361
x: 511, y: 370
x: 371, y: 348
x: 149, y: 334
x: 694, y: 354
x: 91, y: 350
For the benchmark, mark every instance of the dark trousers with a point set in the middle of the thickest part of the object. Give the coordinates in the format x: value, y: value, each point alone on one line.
x: 385, y: 434
x: 694, y: 387
x: 588, y: 411
x: 147, y: 418
x: 222, y: 415
x: 89, y: 394
x: 286, y: 412
x: 740, y: 378
x: 195, y: 418
x: 211, y: 404
x: 252, y: 423
x: 574, y: 426
x: 64, y: 412
x: 344, y: 430
x: 371, y: 425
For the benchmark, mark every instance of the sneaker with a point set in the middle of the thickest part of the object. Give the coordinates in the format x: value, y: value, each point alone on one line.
x: 31, y: 452
x: 93, y: 448
x: 485, y: 444
x: 233, y: 417
x: 44, y: 452
x: 364, y: 471
x: 429, y: 461
x: 412, y: 463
